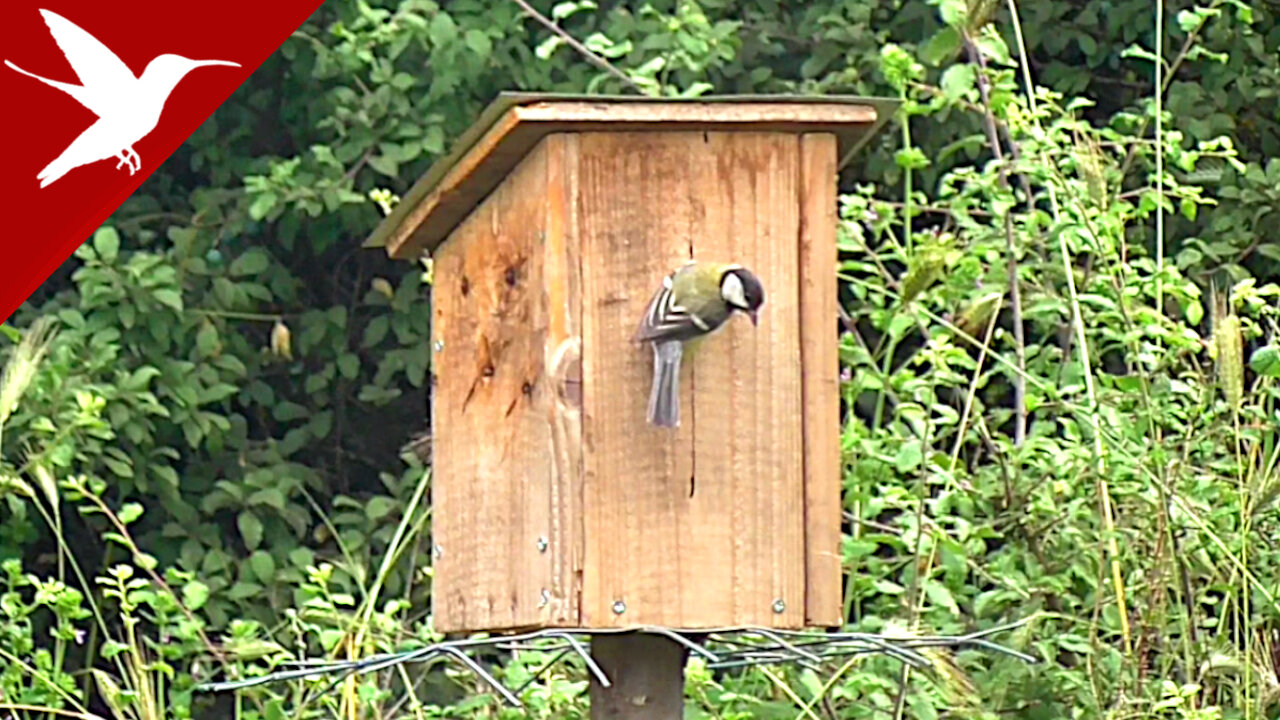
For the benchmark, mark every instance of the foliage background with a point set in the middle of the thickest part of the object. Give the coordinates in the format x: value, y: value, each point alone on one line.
x: 189, y: 485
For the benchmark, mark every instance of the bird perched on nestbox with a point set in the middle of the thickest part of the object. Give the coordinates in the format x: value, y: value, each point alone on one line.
x: 694, y: 301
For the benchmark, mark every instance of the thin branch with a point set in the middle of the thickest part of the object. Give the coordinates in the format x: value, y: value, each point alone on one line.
x: 583, y: 50
x: 1011, y: 248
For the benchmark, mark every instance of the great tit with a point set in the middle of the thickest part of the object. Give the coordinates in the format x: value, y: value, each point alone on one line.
x: 694, y: 301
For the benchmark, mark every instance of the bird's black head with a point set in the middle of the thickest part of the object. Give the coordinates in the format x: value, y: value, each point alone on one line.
x: 742, y: 291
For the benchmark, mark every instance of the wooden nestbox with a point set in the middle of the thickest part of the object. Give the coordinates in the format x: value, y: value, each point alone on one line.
x: 550, y: 227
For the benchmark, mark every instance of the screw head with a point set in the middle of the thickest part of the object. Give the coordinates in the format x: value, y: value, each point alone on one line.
x: 542, y: 544
x: 779, y: 606
x: 619, y: 607
x: 544, y: 598
x: 439, y: 346
x: 437, y: 551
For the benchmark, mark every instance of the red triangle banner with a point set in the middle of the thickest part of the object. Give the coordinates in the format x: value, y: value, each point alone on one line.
x: 97, y: 96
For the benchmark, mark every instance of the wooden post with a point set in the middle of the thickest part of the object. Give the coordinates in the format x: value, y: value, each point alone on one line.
x: 647, y: 672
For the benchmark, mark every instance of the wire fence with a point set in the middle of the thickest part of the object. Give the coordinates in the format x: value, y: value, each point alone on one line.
x: 720, y: 648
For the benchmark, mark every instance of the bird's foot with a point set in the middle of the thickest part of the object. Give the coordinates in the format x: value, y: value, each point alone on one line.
x: 128, y: 157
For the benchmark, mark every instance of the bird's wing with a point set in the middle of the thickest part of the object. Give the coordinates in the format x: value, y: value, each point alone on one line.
x: 666, y: 320
x: 102, y: 73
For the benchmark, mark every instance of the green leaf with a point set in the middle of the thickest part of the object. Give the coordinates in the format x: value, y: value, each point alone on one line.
x: 252, y: 262
x: 1137, y: 51
x: 912, y: 158
x: 130, y: 512
x: 286, y: 411
x: 271, y: 497
x: 1266, y: 361
x: 548, y: 47
x: 302, y: 558
x: 262, y: 205
x: 941, y: 47
x: 375, y: 331
x: 955, y: 13
x: 250, y: 529
x: 168, y: 297
x: 957, y: 81
x: 379, y: 507
x: 348, y: 365
x: 106, y: 241
x: 244, y: 591
x: 329, y: 638
x: 938, y: 594
x: 120, y: 468
x: 207, y: 339
x: 263, y: 566
x: 443, y: 29
x: 909, y: 456
x: 385, y: 164
x: 194, y: 595
x: 479, y: 42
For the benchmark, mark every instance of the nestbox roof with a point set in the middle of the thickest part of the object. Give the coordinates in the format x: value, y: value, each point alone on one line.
x: 514, y: 123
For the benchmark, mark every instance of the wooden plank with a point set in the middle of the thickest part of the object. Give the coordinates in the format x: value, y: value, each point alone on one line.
x: 634, y: 222
x: 563, y: 360
x: 438, y: 205
x: 688, y: 116
x: 722, y: 548
x: 819, y: 346
x: 748, y: 432
x: 491, y: 486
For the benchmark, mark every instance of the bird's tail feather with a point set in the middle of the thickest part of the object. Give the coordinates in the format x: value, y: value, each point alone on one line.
x: 664, y: 397
x: 53, y: 171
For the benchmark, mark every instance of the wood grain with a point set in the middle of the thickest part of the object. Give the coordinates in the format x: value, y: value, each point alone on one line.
x: 703, y: 525
x: 492, y: 485
x: 438, y: 206
x: 634, y: 215
x: 819, y: 348
x: 563, y: 360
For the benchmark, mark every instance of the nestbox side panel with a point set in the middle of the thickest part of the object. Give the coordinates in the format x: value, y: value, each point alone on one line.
x: 492, y: 481
x: 819, y: 345
x: 703, y: 525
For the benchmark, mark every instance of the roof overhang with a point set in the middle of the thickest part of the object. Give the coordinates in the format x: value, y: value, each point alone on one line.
x: 514, y: 123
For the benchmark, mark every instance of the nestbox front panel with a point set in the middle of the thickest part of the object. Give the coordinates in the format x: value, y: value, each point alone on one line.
x: 554, y: 502
x: 704, y: 525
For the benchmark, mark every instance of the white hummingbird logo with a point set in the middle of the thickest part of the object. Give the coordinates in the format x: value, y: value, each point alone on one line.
x: 127, y: 107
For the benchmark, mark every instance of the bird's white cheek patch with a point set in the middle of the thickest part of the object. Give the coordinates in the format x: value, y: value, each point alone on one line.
x: 732, y: 291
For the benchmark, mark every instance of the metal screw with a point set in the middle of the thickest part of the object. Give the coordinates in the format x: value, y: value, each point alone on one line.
x: 619, y: 607
x: 439, y: 346
x: 544, y: 598
x: 438, y: 551
x: 542, y: 544
x: 779, y: 606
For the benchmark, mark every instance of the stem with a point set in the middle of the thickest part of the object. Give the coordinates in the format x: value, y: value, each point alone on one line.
x: 1104, y: 489
x: 1011, y: 249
